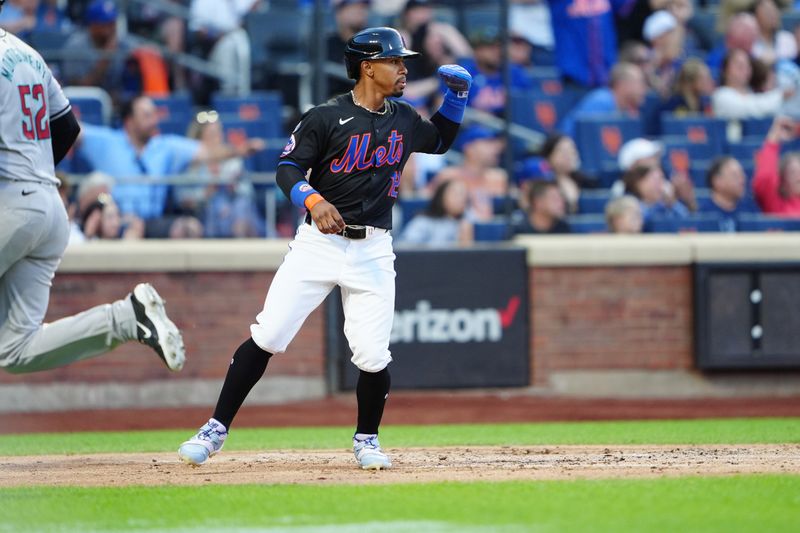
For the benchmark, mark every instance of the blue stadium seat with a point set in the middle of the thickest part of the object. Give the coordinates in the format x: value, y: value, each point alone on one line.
x: 700, y: 222
x: 757, y: 127
x: 173, y: 127
x: 503, y: 204
x: 587, y: 223
x: 176, y: 107
x: 593, y: 201
x: 696, y: 129
x: 538, y: 110
x: 237, y: 131
x: 745, y: 150
x: 761, y: 222
x: 260, y: 106
x: 89, y: 110
x: 409, y: 207
x: 491, y: 231
x: 546, y: 80
x: 599, y: 138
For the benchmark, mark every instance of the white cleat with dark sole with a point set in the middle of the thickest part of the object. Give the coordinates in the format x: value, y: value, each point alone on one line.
x: 369, y: 454
x: 155, y: 329
x: 208, y: 441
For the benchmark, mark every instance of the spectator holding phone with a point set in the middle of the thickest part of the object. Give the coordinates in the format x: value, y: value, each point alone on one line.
x: 777, y: 180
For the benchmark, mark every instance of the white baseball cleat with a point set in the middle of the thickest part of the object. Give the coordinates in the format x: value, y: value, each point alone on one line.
x: 369, y: 454
x: 208, y: 441
x: 155, y: 329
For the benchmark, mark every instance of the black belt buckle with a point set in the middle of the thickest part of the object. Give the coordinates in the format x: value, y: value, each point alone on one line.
x: 354, y: 232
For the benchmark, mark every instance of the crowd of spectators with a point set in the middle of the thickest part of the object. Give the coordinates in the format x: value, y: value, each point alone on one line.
x: 731, y: 66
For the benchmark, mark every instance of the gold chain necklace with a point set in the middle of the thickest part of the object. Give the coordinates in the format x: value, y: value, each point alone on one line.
x: 385, y: 107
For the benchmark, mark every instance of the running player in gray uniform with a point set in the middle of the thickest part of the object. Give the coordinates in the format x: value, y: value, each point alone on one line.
x: 37, y: 128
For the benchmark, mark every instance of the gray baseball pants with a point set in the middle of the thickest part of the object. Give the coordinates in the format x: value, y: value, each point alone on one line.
x: 34, y: 231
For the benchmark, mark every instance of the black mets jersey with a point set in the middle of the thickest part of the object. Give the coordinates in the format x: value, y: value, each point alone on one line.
x: 357, y: 156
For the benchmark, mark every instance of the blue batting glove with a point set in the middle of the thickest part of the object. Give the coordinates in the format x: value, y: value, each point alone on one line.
x: 456, y: 78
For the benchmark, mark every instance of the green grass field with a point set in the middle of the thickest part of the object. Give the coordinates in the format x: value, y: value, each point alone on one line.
x: 762, y: 503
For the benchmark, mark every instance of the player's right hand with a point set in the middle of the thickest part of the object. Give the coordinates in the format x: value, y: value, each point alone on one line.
x: 327, y: 218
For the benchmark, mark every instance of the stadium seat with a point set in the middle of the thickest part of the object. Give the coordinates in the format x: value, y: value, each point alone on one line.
x: 176, y: 107
x: 90, y: 104
x: 546, y: 80
x: 491, y: 231
x: 409, y: 207
x: 587, y: 223
x: 173, y: 127
x: 700, y: 222
x: 261, y: 106
x: 593, y: 201
x: 697, y: 129
x: 502, y: 205
x: 762, y: 222
x: 756, y: 127
x: 538, y: 110
x: 599, y: 138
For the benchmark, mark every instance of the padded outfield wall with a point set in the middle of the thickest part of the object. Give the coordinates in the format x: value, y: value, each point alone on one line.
x: 608, y: 316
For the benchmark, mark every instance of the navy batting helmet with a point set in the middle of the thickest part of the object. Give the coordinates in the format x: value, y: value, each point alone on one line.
x: 373, y: 43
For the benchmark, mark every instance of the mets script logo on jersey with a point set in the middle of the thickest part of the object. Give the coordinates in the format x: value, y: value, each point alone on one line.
x: 289, y: 146
x: 424, y: 324
x: 356, y: 157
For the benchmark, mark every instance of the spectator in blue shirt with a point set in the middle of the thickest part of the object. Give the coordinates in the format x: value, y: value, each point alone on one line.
x: 139, y: 152
x: 586, y: 40
x: 488, y: 91
x: 649, y: 185
x: 727, y: 182
x: 625, y: 95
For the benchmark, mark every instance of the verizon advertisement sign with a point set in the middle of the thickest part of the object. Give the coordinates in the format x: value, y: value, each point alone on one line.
x: 461, y: 320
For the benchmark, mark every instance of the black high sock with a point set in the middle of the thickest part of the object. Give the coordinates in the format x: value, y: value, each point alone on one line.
x: 371, y: 392
x: 247, y: 366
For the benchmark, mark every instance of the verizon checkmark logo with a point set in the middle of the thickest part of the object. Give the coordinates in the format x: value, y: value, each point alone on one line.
x: 343, y: 121
x: 507, y: 315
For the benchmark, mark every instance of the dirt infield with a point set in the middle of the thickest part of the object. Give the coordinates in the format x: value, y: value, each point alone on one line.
x: 416, y: 465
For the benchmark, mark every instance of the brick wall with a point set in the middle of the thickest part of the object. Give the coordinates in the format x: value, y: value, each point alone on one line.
x: 214, y: 310
x: 610, y: 318
x: 582, y: 318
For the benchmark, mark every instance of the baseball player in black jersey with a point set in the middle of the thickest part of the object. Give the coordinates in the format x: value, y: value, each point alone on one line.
x: 353, y: 149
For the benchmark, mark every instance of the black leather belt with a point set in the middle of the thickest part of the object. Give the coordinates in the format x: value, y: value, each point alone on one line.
x: 354, y: 232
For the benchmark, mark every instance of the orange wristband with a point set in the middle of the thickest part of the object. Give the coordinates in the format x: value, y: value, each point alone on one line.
x: 312, y: 200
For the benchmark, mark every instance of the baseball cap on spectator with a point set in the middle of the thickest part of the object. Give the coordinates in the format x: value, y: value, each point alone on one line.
x: 637, y: 149
x: 101, y: 12
x: 532, y: 168
x: 484, y: 36
x: 658, y: 24
x: 476, y: 133
x: 342, y: 3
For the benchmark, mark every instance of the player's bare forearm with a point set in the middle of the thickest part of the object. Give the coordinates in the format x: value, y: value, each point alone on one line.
x: 327, y: 217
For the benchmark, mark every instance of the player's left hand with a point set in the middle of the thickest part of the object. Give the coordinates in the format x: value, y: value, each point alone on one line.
x: 456, y: 78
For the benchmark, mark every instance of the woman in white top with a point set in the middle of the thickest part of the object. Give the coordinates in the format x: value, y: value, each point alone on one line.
x: 734, y: 99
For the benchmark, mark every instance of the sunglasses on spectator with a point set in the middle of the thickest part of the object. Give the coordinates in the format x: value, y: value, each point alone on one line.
x: 207, y: 117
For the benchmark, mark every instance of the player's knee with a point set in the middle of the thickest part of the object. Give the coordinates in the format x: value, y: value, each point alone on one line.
x: 268, y: 339
x: 371, y: 362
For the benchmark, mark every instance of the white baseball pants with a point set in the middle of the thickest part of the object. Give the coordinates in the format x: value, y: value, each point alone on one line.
x: 315, y: 264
